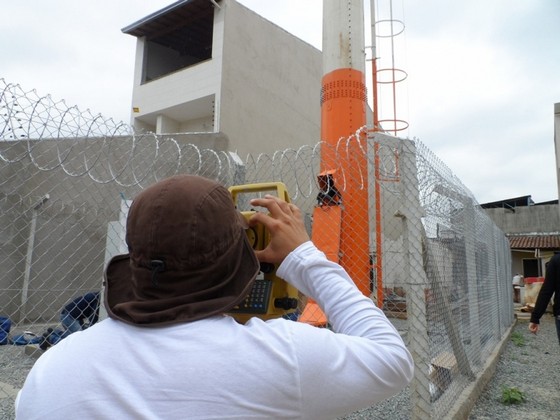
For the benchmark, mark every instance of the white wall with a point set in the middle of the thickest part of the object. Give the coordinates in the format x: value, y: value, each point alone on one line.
x: 270, y: 98
x: 543, y: 218
x: 264, y: 85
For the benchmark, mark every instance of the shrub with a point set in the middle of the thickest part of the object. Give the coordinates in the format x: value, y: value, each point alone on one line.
x: 512, y: 395
x: 518, y: 339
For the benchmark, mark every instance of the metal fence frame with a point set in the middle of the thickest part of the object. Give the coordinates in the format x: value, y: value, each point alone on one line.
x: 66, y: 178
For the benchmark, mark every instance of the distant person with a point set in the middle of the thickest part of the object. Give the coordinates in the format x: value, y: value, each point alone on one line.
x: 76, y: 315
x: 551, y: 286
x: 80, y: 313
x: 517, y: 283
x: 169, y: 350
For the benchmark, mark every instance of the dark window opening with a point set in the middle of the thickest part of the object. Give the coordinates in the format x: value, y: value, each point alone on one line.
x: 531, y: 267
x: 179, y: 45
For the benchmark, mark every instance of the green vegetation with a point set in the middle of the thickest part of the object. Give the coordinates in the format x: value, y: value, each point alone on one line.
x: 518, y: 339
x: 512, y: 395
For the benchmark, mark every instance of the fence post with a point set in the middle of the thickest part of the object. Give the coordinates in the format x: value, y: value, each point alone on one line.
x: 470, y: 257
x: 29, y: 257
x: 497, y: 324
x: 418, y: 345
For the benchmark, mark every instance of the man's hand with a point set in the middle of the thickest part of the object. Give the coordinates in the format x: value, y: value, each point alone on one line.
x: 285, y: 224
x: 534, y: 328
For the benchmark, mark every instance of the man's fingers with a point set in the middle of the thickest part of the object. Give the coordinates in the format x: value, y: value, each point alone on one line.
x: 534, y: 328
x: 284, y: 222
x: 275, y: 205
x: 276, y: 209
x: 294, y: 209
x: 263, y: 254
x: 261, y: 218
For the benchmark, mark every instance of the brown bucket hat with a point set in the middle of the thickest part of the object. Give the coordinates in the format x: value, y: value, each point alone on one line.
x: 189, y: 257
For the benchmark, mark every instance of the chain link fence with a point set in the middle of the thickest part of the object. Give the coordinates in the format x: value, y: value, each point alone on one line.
x: 434, y: 262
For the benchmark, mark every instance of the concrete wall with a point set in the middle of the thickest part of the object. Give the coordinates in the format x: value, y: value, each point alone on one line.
x: 54, y: 252
x: 271, y: 85
x: 58, y: 250
x: 531, y: 219
x: 544, y: 218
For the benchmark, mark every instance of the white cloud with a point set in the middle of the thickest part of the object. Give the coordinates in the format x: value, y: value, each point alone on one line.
x: 483, y: 76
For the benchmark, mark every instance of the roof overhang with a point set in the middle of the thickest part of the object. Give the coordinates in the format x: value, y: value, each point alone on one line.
x: 168, y: 18
x: 534, y: 241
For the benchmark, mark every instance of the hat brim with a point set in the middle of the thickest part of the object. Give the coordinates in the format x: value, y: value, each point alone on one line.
x: 127, y: 302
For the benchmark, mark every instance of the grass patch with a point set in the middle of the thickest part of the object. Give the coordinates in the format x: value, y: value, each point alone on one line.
x: 512, y: 395
x: 518, y: 339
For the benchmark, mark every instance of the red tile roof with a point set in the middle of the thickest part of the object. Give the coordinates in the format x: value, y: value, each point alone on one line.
x: 535, y: 241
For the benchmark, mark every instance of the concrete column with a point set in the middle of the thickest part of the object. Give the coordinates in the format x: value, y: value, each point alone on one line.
x: 166, y: 125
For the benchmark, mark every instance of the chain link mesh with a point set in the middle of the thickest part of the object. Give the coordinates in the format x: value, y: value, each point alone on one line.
x: 436, y: 264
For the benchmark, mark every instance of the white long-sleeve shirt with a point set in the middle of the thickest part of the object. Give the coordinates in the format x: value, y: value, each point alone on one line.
x: 216, y: 368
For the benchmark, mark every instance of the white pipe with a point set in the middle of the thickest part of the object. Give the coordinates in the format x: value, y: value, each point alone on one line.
x: 29, y: 258
x: 343, y: 35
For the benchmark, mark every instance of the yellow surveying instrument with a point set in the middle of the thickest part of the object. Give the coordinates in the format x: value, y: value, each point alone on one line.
x: 270, y: 296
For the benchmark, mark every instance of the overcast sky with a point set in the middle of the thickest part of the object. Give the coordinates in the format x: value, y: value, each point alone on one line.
x: 483, y: 75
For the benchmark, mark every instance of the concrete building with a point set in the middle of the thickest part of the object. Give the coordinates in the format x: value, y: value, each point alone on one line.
x: 533, y: 231
x: 214, y: 66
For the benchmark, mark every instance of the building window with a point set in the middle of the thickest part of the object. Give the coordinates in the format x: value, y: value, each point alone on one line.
x: 179, y: 46
x: 531, y: 267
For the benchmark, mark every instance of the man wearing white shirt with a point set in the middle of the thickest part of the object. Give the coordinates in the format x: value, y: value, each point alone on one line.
x: 168, y: 351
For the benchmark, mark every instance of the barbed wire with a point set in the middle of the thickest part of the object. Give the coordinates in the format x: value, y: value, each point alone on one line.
x: 68, y: 177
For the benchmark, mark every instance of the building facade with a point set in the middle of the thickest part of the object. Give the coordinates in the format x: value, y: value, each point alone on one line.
x: 216, y: 66
x: 533, y: 231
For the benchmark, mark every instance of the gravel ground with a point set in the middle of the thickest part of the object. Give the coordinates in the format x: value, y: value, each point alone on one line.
x: 533, y: 367
x: 14, y: 366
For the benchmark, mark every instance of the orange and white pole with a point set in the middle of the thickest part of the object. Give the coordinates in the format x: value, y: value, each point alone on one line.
x: 343, y: 113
